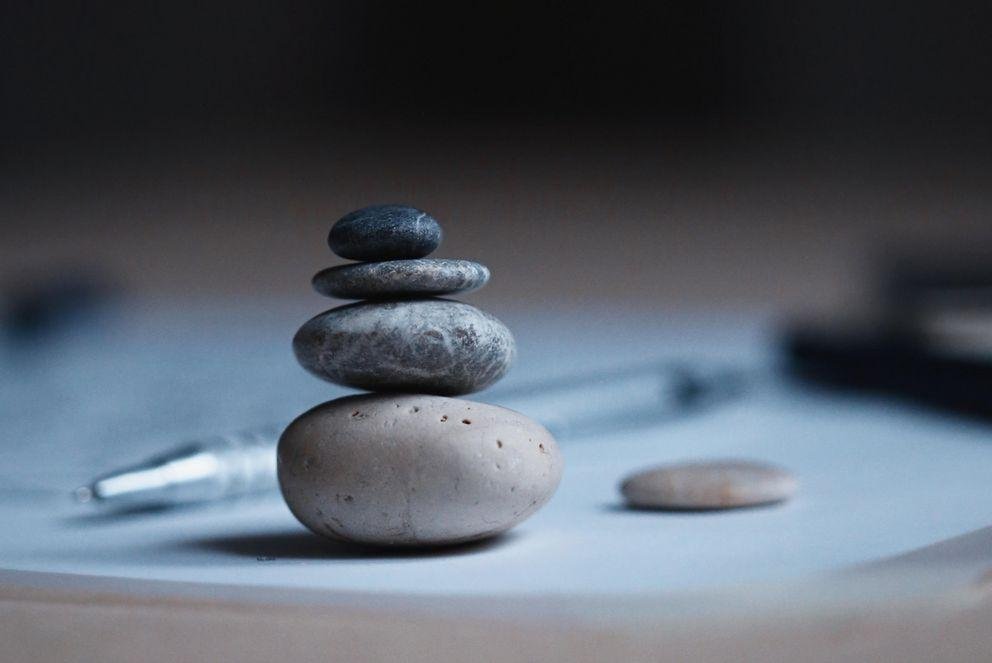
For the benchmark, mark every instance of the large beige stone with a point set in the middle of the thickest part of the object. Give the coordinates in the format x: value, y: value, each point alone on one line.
x: 415, y: 469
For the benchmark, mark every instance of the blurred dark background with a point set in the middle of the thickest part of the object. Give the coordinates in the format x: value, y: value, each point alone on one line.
x: 678, y: 153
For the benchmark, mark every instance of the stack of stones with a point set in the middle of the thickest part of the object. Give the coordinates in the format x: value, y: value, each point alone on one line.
x: 408, y: 465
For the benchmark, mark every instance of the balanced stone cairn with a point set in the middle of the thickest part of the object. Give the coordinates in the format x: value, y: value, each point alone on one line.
x: 408, y: 465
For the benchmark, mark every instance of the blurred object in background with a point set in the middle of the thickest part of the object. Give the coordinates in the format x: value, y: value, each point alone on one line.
x: 944, y: 304
x: 931, y: 340
x: 55, y: 305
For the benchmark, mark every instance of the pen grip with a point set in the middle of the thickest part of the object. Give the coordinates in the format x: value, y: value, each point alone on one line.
x: 246, y: 460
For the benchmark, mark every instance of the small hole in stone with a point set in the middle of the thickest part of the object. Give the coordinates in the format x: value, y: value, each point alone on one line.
x: 444, y: 418
x: 499, y: 444
x: 414, y: 410
x: 355, y: 413
x: 541, y: 447
x: 466, y: 421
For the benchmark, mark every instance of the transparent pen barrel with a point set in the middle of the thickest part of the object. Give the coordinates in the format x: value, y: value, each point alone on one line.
x: 614, y: 400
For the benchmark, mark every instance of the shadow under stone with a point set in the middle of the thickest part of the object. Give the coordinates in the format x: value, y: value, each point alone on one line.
x: 620, y: 507
x: 302, y: 545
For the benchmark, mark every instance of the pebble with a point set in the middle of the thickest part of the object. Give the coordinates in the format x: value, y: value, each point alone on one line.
x: 415, y: 470
x: 401, y: 278
x: 431, y: 346
x: 716, y: 484
x: 385, y: 232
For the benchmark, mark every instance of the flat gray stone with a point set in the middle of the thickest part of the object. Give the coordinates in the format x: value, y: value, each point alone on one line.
x: 401, y: 278
x: 715, y: 484
x: 415, y: 470
x: 429, y: 346
x: 385, y: 232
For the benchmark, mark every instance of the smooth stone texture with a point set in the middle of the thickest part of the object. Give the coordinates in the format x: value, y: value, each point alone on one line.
x: 385, y: 232
x: 717, y: 484
x: 431, y: 346
x: 415, y: 470
x: 401, y: 278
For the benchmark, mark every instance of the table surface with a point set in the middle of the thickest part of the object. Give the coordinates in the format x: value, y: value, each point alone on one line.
x: 878, y: 478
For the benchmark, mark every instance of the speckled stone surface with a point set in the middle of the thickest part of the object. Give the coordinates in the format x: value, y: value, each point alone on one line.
x: 415, y: 470
x: 385, y: 232
x: 401, y: 278
x: 430, y: 346
x: 715, y: 484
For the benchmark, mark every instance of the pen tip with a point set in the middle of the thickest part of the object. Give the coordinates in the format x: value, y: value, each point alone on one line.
x: 82, y: 495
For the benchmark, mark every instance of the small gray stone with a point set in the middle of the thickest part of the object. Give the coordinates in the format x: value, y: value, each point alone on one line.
x: 385, y: 232
x: 430, y: 346
x: 415, y: 470
x: 400, y: 278
x: 715, y: 484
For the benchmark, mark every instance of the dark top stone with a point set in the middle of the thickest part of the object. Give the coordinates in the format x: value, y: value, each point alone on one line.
x: 426, y: 346
x: 385, y: 232
x: 400, y: 278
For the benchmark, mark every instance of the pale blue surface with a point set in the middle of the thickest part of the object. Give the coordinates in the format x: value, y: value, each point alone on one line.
x: 877, y: 478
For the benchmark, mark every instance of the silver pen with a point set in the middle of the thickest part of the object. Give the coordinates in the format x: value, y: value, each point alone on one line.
x: 244, y: 463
